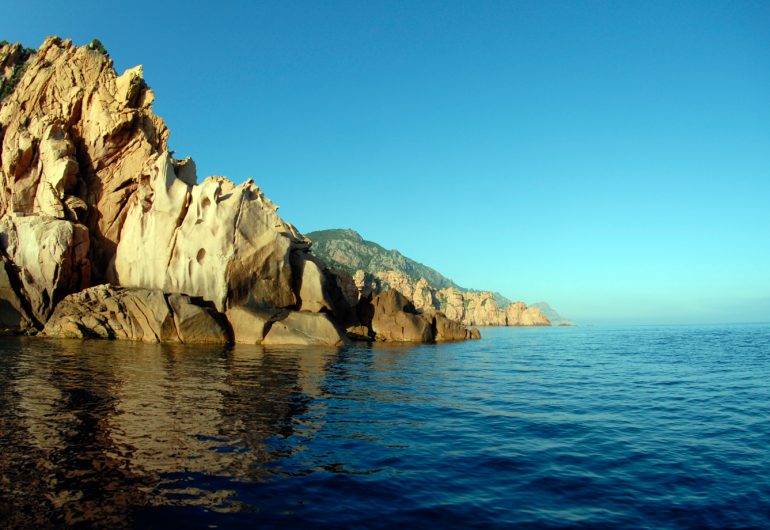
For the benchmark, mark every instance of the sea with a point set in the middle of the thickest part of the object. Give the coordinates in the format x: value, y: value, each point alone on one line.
x: 569, y: 427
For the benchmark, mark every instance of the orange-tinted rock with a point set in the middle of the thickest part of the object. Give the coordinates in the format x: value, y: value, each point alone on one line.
x: 394, y: 318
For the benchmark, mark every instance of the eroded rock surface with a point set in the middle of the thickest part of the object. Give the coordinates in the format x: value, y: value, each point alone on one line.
x: 248, y: 325
x: 90, y: 194
x: 304, y: 329
x: 222, y: 242
x: 135, y: 314
x: 394, y: 318
x: 449, y: 329
x: 50, y: 257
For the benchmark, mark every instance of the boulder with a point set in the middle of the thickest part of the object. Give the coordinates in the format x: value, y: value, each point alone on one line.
x: 50, y: 255
x: 134, y: 314
x: 115, y: 313
x: 304, y: 329
x: 474, y: 333
x: 311, y: 283
x: 359, y: 332
x: 248, y: 325
x: 196, y: 324
x: 448, y: 329
x: 394, y: 318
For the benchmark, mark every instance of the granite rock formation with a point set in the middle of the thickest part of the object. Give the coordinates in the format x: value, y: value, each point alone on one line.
x: 371, y: 269
x: 135, y: 314
x: 394, y: 318
x: 305, y: 329
x: 446, y: 329
x: 104, y: 233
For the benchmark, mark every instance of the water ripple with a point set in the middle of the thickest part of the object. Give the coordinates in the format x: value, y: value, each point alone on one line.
x: 649, y: 427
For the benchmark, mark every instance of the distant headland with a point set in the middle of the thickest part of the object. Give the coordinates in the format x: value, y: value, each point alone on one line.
x: 374, y: 268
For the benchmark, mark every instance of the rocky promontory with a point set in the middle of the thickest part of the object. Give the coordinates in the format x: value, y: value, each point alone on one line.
x: 103, y: 233
x: 370, y: 268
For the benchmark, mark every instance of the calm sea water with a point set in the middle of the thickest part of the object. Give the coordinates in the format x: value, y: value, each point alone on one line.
x: 656, y: 427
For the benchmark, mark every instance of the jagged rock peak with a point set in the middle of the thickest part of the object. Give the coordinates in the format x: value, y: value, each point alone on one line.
x: 77, y: 139
x: 81, y: 147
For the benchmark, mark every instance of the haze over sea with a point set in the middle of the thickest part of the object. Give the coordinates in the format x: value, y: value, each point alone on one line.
x: 643, y: 427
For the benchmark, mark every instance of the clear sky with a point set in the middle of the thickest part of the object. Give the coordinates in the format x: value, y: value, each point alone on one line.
x: 611, y: 158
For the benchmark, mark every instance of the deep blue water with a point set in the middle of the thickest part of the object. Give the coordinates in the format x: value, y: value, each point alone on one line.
x: 644, y: 427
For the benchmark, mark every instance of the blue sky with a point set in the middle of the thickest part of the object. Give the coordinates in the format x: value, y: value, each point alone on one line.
x: 611, y: 158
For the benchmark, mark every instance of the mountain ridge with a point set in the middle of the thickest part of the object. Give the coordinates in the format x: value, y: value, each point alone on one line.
x: 375, y: 268
x: 367, y: 257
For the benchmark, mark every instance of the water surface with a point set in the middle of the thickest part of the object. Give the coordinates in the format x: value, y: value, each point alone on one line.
x: 657, y: 427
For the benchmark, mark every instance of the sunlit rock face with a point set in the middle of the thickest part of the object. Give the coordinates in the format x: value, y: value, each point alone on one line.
x: 82, y: 147
x: 222, y: 242
x: 89, y: 189
x: 467, y: 307
x: 372, y: 269
x: 77, y: 139
x: 304, y: 329
x: 91, y: 195
x: 49, y: 257
x: 518, y: 314
x: 136, y: 314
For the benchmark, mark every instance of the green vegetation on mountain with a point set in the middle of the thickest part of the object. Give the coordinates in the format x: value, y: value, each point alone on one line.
x: 348, y: 251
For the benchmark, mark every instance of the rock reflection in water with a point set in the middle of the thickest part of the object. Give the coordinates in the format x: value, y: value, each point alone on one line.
x: 92, y: 430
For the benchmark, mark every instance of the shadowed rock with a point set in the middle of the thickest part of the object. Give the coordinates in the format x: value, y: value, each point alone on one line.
x: 14, y: 316
x: 394, y: 318
x: 449, y: 329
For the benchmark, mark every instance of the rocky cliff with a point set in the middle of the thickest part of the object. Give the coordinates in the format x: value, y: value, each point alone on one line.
x: 103, y: 233
x: 373, y: 269
x: 552, y: 315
